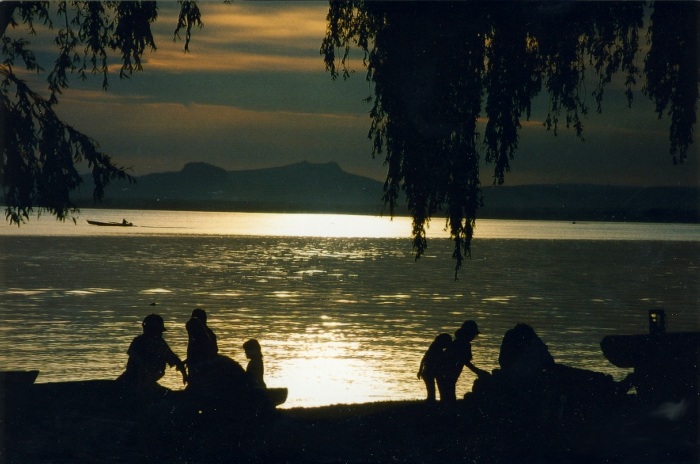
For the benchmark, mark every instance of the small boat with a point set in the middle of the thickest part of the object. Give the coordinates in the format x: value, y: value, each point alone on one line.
x: 124, y: 223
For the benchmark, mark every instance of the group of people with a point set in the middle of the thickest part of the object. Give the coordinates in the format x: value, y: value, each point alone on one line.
x: 445, y: 359
x: 149, y: 354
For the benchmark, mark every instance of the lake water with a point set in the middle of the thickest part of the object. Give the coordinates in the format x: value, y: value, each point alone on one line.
x: 340, y: 307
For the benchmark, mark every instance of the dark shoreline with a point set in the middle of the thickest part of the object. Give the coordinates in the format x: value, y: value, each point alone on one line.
x: 86, y: 422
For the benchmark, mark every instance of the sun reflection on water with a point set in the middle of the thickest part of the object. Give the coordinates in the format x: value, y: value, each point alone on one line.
x: 330, y: 369
x: 340, y: 320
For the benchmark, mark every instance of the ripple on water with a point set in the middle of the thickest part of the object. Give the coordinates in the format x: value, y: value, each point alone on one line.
x: 380, y: 320
x: 155, y: 291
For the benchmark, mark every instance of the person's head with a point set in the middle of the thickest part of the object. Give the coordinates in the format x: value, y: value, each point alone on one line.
x: 252, y: 348
x: 153, y: 325
x: 468, y: 330
x: 200, y: 314
x: 442, y: 341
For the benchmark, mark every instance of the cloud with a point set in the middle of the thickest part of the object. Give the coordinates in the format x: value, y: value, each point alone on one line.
x: 260, y: 23
x: 235, y: 38
x: 176, y: 61
x: 248, y: 37
x: 154, y: 117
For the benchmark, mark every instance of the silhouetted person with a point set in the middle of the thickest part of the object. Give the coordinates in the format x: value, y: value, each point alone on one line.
x: 148, y: 354
x: 458, y: 355
x: 523, y: 354
x: 216, y: 382
x: 433, y: 363
x: 255, y: 369
x: 202, y: 347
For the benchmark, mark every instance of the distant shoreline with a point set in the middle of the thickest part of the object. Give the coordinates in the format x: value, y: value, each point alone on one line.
x: 655, y: 216
x: 535, y: 214
x: 325, y: 188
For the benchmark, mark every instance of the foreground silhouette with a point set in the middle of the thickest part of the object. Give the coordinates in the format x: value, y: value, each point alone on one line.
x: 576, y: 411
x: 202, y: 346
x: 665, y: 364
x: 433, y: 363
x: 255, y: 368
x: 148, y: 355
x: 444, y: 360
x: 529, y: 410
x: 216, y: 382
x: 459, y: 355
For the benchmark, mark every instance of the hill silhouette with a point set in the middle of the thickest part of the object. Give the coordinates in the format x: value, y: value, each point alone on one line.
x: 201, y: 186
x: 326, y: 188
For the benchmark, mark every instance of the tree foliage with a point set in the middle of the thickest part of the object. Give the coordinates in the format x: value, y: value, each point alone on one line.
x: 40, y: 152
x: 438, y: 67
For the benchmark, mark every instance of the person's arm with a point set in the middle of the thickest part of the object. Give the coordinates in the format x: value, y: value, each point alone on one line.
x: 173, y: 360
x: 181, y: 367
x: 420, y: 368
x: 476, y: 370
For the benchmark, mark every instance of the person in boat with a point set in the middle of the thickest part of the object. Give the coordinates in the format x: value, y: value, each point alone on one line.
x: 433, y: 363
x: 255, y: 370
x: 148, y: 355
x: 202, y: 347
x: 458, y: 355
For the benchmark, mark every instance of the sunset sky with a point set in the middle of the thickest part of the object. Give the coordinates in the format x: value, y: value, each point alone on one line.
x: 253, y: 93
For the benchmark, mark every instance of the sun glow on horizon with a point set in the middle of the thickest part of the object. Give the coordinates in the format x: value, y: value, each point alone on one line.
x: 317, y: 225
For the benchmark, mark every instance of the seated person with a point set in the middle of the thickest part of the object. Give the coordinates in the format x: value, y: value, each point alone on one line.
x: 202, y: 347
x: 148, y: 355
x: 255, y: 369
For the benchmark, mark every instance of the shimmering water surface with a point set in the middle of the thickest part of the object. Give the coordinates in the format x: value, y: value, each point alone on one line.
x: 342, y: 310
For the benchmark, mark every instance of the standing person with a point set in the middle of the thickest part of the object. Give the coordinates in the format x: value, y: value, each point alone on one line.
x: 458, y: 355
x: 255, y: 369
x: 433, y: 363
x: 148, y: 355
x: 202, y: 347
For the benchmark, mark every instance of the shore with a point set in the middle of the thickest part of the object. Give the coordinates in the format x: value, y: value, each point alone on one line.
x: 89, y: 422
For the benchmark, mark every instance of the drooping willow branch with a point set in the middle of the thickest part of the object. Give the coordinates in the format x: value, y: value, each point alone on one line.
x: 39, y: 151
x: 437, y: 67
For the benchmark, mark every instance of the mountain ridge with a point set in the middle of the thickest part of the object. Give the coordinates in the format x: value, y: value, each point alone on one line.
x: 326, y: 188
